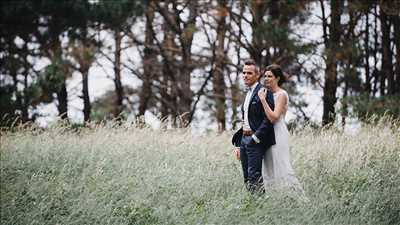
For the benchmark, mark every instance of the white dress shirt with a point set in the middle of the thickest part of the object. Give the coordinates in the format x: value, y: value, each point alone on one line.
x: 247, y: 100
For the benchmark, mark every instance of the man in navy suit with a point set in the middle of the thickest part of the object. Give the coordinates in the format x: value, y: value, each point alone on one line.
x: 257, y: 133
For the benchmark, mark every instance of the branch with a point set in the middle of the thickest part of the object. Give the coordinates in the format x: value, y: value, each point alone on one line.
x: 324, y: 23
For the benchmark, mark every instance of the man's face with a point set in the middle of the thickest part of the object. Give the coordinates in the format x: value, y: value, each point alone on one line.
x: 250, y: 75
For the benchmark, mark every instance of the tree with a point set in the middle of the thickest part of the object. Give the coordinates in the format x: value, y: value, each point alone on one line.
x: 386, y: 71
x: 59, y: 19
x: 181, y: 29
x: 149, y: 60
x: 396, y: 29
x: 218, y: 75
x: 118, y: 16
x: 83, y: 51
x: 15, y: 66
x: 331, y: 41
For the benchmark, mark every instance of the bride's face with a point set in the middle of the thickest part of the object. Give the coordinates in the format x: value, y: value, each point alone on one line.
x: 270, y: 79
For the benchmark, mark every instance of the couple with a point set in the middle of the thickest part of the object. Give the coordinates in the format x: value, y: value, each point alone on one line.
x: 264, y: 138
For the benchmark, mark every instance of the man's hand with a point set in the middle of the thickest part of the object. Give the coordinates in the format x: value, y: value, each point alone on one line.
x: 236, y: 152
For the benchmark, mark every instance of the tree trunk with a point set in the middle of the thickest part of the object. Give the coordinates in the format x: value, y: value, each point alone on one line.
x: 366, y: 49
x: 387, y: 66
x: 85, y: 95
x: 25, y: 113
x: 396, y: 24
x: 234, y: 84
x: 62, y: 97
x: 330, y: 84
x: 184, y: 81
x: 375, y: 73
x: 258, y: 9
x: 349, y: 59
x: 165, y: 98
x: 62, y: 94
x: 18, y: 96
x: 235, y: 90
x: 119, y: 90
x: 218, y: 76
x: 345, y: 105
x: 169, y: 86
x: 149, y: 61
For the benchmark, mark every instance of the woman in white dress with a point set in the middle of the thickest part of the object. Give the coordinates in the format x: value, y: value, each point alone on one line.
x: 277, y: 169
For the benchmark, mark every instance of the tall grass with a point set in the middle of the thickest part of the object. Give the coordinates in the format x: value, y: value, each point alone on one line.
x: 127, y: 175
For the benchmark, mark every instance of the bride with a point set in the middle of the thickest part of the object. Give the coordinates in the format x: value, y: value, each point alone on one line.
x: 277, y: 170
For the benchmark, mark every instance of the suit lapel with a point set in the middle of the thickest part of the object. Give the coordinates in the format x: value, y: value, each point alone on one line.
x: 242, y: 108
x: 255, y: 91
x: 270, y: 97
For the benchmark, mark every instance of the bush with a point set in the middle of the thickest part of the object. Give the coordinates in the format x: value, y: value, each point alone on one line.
x: 364, y: 107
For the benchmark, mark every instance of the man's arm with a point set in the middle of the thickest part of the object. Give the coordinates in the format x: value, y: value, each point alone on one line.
x: 237, y: 137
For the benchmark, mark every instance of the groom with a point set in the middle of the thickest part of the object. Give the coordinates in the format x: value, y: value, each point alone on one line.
x: 257, y: 133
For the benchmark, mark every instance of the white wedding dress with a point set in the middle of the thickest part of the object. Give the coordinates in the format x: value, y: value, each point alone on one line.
x: 277, y: 169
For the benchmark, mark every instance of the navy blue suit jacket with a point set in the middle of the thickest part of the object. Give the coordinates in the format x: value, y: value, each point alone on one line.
x: 258, y: 121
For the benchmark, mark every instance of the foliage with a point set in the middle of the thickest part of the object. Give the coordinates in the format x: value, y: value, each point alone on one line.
x: 115, y: 14
x: 7, y: 106
x: 52, y: 79
x: 126, y: 175
x: 165, y: 44
x: 363, y: 106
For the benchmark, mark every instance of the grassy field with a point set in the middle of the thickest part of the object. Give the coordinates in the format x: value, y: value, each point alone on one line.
x: 127, y: 175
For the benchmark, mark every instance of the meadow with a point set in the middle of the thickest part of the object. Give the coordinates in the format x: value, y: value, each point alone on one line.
x: 126, y: 175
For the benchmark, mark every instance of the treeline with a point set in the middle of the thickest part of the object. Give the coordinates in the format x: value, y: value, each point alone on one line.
x: 186, y: 52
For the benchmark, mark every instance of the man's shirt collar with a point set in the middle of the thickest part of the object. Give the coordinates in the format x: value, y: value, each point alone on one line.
x: 252, y: 87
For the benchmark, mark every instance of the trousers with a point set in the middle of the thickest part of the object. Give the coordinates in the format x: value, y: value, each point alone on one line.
x: 251, y: 156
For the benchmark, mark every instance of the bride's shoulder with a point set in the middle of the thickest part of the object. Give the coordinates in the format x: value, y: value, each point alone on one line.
x: 282, y: 92
x: 285, y: 92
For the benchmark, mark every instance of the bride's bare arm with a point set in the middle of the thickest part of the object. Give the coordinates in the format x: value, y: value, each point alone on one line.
x: 273, y: 115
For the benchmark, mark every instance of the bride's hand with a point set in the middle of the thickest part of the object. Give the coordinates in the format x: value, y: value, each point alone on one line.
x: 262, y: 94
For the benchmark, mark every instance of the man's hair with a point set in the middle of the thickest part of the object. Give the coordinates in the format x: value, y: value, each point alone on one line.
x: 277, y: 72
x: 251, y: 63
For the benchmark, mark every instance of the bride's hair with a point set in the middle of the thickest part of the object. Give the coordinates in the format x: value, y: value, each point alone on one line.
x: 277, y: 72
